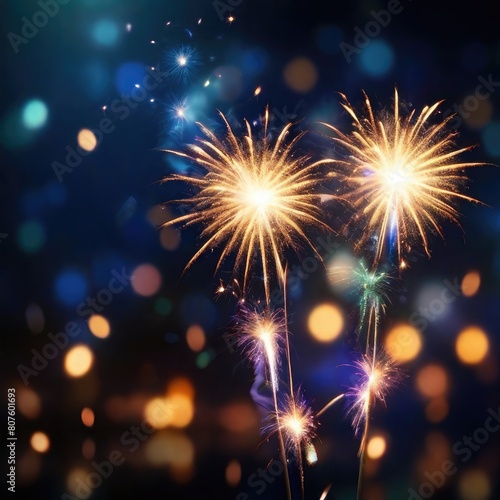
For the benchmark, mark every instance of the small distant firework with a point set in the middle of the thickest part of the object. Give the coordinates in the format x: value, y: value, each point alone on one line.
x: 256, y: 197
x: 181, y: 63
x: 402, y: 174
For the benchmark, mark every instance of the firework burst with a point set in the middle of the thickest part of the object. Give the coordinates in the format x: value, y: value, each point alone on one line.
x: 255, y: 198
x: 403, y: 174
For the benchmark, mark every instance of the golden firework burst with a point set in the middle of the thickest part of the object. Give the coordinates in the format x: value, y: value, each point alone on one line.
x: 403, y: 174
x: 255, y: 199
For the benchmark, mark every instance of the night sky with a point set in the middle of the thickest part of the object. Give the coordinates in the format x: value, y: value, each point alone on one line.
x: 129, y: 380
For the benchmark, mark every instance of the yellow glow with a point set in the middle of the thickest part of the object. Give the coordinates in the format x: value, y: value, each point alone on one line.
x: 432, y: 381
x: 325, y: 322
x: 261, y: 199
x: 472, y: 345
x: 376, y: 447
x: 78, y: 361
x: 195, y: 338
x: 181, y: 385
x: 40, y: 442
x: 158, y: 413
x: 182, y: 410
x: 233, y: 473
x: 169, y: 448
x: 88, y: 417
x: 99, y: 326
x: 87, y: 139
x: 474, y: 484
x: 471, y: 283
x: 403, y: 343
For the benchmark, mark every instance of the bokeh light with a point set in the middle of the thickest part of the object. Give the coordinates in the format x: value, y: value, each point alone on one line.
x: 99, y: 326
x: 31, y: 236
x: 377, y: 58
x: 471, y: 283
x: 170, y: 238
x: 34, y: 114
x: 491, y: 138
x: 170, y: 448
x: 163, y: 306
x: 300, y: 75
x: 87, y: 139
x: 325, y: 322
x: 40, y: 442
x: 71, y: 287
x: 88, y: 417
x: 472, y: 345
x: 376, y: 447
x: 88, y: 449
x: 105, y: 32
x: 158, y: 413
x: 481, y: 116
x: 195, y: 338
x: 329, y: 38
x: 432, y: 381
x: 35, y: 318
x: 474, y: 484
x: 78, y: 361
x: 29, y: 403
x: 233, y: 473
x: 146, y: 280
x: 403, y: 343
x: 437, y: 409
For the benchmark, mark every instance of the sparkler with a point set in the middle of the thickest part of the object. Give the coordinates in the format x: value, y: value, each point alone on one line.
x: 377, y: 377
x: 403, y: 174
x: 298, y: 426
x: 256, y: 197
x: 261, y: 335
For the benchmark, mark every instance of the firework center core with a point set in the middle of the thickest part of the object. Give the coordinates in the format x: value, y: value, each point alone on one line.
x: 260, y: 199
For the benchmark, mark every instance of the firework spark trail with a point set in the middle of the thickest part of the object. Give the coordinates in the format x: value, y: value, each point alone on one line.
x: 260, y: 335
x: 255, y: 198
x: 402, y: 172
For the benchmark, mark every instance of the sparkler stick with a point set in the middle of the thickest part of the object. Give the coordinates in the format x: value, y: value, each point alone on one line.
x: 403, y: 176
